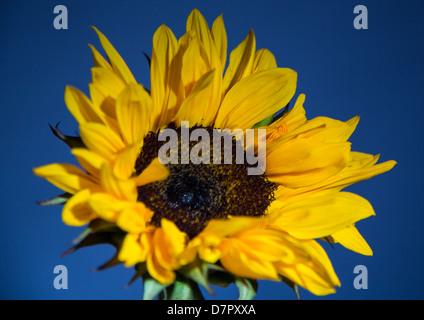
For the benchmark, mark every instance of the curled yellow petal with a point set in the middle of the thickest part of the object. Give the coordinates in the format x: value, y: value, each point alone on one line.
x: 155, y: 171
x: 66, y: 177
x: 76, y: 211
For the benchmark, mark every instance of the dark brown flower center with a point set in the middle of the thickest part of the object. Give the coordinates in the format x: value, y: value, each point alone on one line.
x: 193, y: 194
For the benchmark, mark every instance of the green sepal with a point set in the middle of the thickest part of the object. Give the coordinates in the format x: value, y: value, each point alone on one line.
x: 198, y: 272
x: 151, y: 287
x: 218, y: 276
x: 247, y: 288
x: 292, y: 285
x: 71, y: 141
x: 58, y: 200
x: 99, y: 232
x: 265, y: 122
x: 281, y: 114
x: 272, y: 118
x: 140, y: 270
x: 183, y: 289
x: 95, y: 225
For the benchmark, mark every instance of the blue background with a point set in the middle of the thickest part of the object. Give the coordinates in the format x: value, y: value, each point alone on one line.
x: 376, y: 73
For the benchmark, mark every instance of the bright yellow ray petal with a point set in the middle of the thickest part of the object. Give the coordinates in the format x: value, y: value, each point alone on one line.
x: 156, y: 171
x: 287, y: 123
x: 264, y: 60
x: 161, y: 274
x: 201, y: 95
x: 107, y: 206
x: 134, y: 218
x: 237, y: 260
x: 98, y: 59
x: 360, y: 167
x: 321, y: 216
x: 195, y: 62
x: 197, y: 23
x: 90, y: 161
x: 121, y: 189
x: 101, y: 139
x: 81, y: 107
x: 107, y: 82
x: 316, y: 274
x: 219, y: 36
x: 66, y: 177
x: 256, y: 97
x: 241, y: 61
x: 76, y: 211
x: 118, y: 64
x: 351, y: 239
x: 302, y: 161
x: 133, y: 110
x: 124, y: 166
x: 131, y: 252
x: 164, y: 74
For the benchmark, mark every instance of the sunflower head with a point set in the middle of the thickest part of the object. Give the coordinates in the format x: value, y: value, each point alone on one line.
x: 210, y: 175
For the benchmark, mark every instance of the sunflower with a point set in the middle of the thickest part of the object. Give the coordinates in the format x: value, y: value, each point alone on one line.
x: 184, y: 224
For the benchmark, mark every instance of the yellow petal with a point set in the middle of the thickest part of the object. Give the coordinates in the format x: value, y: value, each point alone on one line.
x: 135, y: 248
x: 121, y: 189
x: 108, y: 83
x: 133, y: 110
x: 90, y: 161
x: 325, y: 129
x: 107, y: 206
x: 350, y: 176
x: 195, y: 61
x: 202, y: 95
x: 241, y: 62
x: 219, y: 36
x: 302, y: 161
x: 165, y: 82
x: 264, y: 60
x: 98, y: 59
x: 101, y: 139
x: 130, y: 252
x: 197, y: 23
x: 118, y: 64
x: 80, y: 106
x: 156, y: 171
x: 321, y: 216
x: 359, y: 160
x: 76, y: 211
x: 238, y: 260
x: 315, y: 274
x: 124, y: 164
x: 351, y: 239
x: 66, y: 177
x: 161, y: 274
x: 293, y: 119
x: 176, y: 237
x: 134, y: 218
x: 256, y: 97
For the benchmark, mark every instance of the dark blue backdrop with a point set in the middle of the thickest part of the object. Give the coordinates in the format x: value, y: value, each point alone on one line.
x: 375, y: 73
